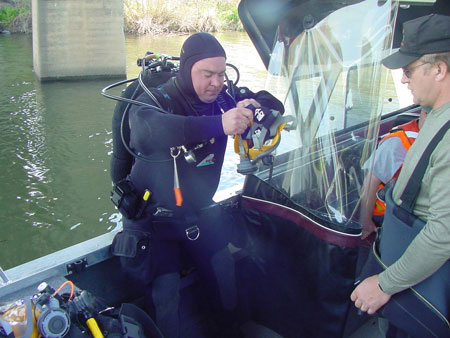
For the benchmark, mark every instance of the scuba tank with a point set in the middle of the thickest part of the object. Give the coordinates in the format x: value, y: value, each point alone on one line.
x: 157, y: 69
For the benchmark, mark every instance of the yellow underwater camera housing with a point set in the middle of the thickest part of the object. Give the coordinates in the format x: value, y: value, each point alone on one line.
x: 261, y: 138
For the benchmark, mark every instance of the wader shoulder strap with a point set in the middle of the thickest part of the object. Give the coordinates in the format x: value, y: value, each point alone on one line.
x: 412, y: 189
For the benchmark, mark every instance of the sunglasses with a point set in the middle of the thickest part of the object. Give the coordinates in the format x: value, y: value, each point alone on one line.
x: 408, y: 70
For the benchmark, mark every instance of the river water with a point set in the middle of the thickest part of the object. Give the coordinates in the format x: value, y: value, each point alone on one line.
x: 56, y: 144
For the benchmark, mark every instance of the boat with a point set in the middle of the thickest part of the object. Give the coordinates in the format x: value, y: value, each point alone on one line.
x: 296, y: 240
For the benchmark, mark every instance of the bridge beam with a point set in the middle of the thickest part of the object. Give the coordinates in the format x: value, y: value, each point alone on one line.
x: 78, y: 39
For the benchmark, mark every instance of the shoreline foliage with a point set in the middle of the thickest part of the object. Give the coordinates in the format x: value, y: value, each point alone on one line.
x: 15, y: 16
x: 146, y: 16
x: 180, y: 16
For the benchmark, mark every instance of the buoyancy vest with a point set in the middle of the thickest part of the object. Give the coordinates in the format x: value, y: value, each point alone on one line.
x: 121, y: 159
x: 407, y: 133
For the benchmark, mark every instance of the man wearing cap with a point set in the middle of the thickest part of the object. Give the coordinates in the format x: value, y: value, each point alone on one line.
x: 424, y: 56
x: 180, y: 216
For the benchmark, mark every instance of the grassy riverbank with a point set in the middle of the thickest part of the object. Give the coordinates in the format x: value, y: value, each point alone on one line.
x: 146, y: 16
x: 15, y: 16
x: 180, y: 16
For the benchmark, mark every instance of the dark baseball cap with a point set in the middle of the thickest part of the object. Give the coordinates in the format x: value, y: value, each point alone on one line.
x: 428, y: 34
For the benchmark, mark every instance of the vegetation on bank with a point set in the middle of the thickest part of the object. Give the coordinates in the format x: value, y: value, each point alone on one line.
x: 146, y: 16
x: 180, y: 16
x: 15, y: 16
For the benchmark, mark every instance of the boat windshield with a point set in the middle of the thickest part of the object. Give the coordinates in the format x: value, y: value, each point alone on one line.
x: 330, y: 76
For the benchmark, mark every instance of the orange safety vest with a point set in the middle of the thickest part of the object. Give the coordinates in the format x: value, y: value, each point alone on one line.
x: 407, y: 133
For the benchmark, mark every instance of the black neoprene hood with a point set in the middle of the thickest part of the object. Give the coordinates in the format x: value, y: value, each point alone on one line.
x: 197, y: 47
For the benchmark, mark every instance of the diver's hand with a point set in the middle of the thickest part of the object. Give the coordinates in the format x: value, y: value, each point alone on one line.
x: 368, y: 296
x: 236, y: 120
x: 247, y: 102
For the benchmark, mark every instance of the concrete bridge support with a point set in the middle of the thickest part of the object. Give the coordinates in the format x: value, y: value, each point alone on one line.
x: 78, y: 39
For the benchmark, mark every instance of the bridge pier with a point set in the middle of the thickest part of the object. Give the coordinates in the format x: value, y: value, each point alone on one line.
x: 78, y: 39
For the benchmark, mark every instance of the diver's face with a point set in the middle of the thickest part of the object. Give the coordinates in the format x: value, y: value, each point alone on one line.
x: 208, y: 78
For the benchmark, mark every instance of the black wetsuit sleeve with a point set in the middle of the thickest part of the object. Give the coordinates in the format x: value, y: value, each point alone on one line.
x: 151, y: 129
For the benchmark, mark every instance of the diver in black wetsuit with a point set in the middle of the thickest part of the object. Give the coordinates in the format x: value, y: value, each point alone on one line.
x: 201, y: 114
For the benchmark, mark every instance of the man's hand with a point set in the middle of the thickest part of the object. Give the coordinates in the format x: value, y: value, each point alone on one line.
x: 237, y: 120
x: 368, y: 296
x: 247, y: 102
x: 368, y: 228
x: 368, y: 198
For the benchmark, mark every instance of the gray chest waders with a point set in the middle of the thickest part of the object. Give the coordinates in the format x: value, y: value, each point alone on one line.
x: 423, y: 309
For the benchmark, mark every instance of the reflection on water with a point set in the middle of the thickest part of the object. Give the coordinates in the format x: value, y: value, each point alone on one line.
x: 56, y: 144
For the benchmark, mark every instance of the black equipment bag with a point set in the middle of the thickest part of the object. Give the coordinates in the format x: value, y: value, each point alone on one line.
x: 422, y: 310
